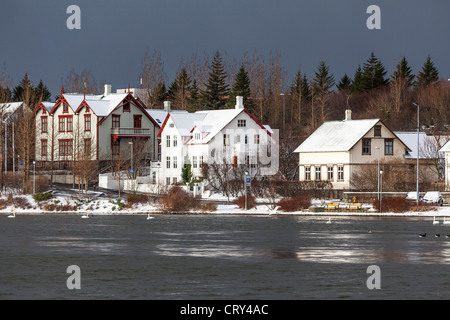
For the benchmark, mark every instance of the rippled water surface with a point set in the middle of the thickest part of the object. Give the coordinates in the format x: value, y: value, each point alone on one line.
x: 222, y: 257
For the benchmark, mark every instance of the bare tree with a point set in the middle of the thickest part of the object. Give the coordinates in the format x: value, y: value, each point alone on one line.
x: 152, y: 76
x: 5, y: 84
x: 81, y: 83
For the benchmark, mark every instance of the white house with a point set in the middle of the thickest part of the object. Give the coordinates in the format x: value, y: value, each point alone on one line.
x: 105, y: 125
x: 446, y: 151
x: 337, y: 148
x: 228, y: 136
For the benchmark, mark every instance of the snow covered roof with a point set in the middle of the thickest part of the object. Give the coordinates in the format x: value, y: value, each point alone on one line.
x: 48, y: 105
x: 102, y: 105
x: 333, y: 136
x: 159, y: 115
x: 428, y: 145
x: 446, y: 147
x: 184, y: 122
x: 10, y: 107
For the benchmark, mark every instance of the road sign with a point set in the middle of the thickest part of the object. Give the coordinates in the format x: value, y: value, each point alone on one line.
x: 248, y: 180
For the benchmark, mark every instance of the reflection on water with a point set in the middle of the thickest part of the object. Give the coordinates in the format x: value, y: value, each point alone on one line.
x: 224, y: 257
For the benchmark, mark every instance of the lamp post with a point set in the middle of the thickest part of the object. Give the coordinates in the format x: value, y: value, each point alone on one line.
x: 34, y: 177
x: 157, y: 181
x: 381, y: 187
x: 245, y: 184
x: 131, y: 171
x: 417, y: 173
x: 378, y: 170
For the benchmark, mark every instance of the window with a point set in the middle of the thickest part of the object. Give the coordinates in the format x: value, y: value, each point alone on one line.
x: 154, y: 177
x: 171, y: 125
x: 126, y: 106
x: 366, y: 149
x: 168, y: 163
x: 237, y: 139
x: 115, y: 148
x: 226, y: 139
x: 87, y: 148
x: 307, y: 173
x: 44, y: 125
x: 44, y: 149
x: 174, y: 180
x: 201, y: 160
x: 168, y: 181
x: 69, y: 124
x: 115, y: 121
x: 87, y: 122
x: 65, y: 107
x: 246, y: 139
x: 175, y: 162
x: 65, y: 147
x: 317, y: 171
x: 377, y: 131
x: 194, y: 162
x: 137, y: 121
x: 330, y: 173
x: 197, y: 136
x: 62, y: 124
x: 340, y: 176
x: 168, y: 141
x: 242, y: 123
x: 388, y: 147
x: 175, y: 141
x: 256, y: 139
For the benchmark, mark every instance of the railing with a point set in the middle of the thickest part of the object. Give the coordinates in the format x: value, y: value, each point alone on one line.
x: 131, y: 131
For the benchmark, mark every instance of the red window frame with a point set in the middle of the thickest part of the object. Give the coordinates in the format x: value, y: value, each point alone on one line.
x: 62, y: 124
x: 44, y: 149
x: 44, y: 124
x: 137, y: 121
x: 65, y: 147
x: 87, y: 122
x: 116, y: 121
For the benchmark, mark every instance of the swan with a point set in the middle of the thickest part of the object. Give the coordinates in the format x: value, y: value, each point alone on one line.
x: 149, y: 216
x: 273, y: 211
x: 446, y: 221
x: 85, y: 216
x: 329, y: 220
x: 13, y: 215
x: 435, y: 221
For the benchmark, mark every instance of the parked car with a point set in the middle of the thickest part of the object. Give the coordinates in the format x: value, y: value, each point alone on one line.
x: 433, y: 197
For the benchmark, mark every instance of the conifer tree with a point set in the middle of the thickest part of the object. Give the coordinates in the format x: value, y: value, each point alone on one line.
x: 345, y: 83
x: 403, y: 70
x: 179, y: 89
x: 241, y: 87
x: 357, y: 83
x: 42, y: 91
x: 373, y: 74
x: 323, y: 82
x: 214, y: 96
x: 428, y: 75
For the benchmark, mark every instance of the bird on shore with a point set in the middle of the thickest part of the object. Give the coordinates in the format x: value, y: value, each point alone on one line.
x: 435, y: 221
x: 149, y: 216
x: 13, y: 215
x: 437, y: 235
x: 85, y: 216
x: 422, y: 235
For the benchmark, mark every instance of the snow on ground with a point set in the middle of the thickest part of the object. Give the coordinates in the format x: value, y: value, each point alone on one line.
x: 105, y: 206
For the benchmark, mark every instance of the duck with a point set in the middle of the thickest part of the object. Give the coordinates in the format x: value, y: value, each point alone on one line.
x: 423, y: 235
x: 437, y: 235
x: 447, y: 236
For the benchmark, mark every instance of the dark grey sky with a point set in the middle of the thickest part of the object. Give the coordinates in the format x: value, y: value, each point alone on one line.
x: 114, y: 35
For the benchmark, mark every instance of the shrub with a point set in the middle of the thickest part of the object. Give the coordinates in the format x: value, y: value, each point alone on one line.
x: 176, y: 200
x: 240, y: 202
x: 207, y: 206
x: 295, y: 203
x: 133, y: 198
x: 42, y: 196
x: 2, y: 204
x: 396, y: 205
x: 117, y: 203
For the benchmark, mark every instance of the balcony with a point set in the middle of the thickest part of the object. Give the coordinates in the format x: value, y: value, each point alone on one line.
x: 130, y: 132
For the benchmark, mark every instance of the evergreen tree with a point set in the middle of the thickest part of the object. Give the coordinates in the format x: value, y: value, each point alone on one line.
x: 428, y: 75
x: 160, y: 93
x: 42, y: 90
x: 179, y: 89
x: 214, y: 96
x: 373, y: 74
x: 357, y: 83
x: 322, y: 83
x: 402, y: 70
x: 194, y: 98
x: 18, y: 90
x: 306, y: 88
x: 241, y: 87
x: 345, y: 83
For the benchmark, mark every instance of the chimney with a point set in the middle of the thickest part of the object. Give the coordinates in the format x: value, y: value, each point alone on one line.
x: 348, y: 114
x: 239, y: 102
x: 108, y: 89
x: 167, y: 106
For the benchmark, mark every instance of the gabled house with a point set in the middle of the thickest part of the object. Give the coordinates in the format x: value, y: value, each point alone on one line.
x: 229, y: 136
x: 446, y: 151
x: 102, y: 126
x: 338, y: 148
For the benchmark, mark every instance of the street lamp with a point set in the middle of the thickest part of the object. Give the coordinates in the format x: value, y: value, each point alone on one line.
x: 34, y: 177
x: 381, y: 187
x: 417, y: 173
x: 131, y: 171
x: 245, y: 183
